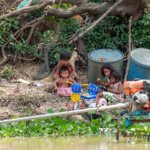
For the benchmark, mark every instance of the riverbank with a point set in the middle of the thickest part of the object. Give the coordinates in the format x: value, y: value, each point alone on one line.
x: 20, y: 95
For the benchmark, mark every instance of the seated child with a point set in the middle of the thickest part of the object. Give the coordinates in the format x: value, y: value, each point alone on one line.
x: 61, y: 83
x: 115, y: 89
x: 106, y: 70
x: 64, y: 61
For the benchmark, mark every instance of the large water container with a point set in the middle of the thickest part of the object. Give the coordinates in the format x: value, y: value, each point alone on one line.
x: 97, y: 58
x: 139, y: 64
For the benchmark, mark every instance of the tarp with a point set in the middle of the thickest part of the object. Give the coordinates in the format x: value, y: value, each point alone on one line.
x: 24, y: 4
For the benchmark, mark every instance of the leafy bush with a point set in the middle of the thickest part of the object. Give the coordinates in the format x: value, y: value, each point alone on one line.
x: 7, y: 26
x: 49, y: 38
x: 62, y: 127
x: 55, y: 127
x: 141, y: 32
x: 25, y: 49
x: 112, y: 32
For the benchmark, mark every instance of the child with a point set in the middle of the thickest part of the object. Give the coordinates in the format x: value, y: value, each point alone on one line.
x: 115, y: 86
x: 61, y: 83
x: 115, y: 89
x: 64, y: 61
x: 106, y: 70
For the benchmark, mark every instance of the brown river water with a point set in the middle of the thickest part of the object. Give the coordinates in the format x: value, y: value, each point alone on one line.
x: 73, y: 143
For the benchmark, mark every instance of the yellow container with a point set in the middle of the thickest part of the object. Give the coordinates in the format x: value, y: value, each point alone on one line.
x: 75, y: 97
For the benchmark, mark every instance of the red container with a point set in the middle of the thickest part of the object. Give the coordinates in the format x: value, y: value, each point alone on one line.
x: 147, y: 107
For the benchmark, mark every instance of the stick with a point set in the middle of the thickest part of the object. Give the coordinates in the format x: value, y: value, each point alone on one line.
x: 129, y: 53
x: 74, y: 112
x: 31, y: 32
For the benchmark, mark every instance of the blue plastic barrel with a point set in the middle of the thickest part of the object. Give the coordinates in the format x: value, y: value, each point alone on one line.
x: 97, y: 58
x: 139, y: 64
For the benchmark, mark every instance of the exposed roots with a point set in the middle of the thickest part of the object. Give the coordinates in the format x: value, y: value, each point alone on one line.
x: 32, y: 24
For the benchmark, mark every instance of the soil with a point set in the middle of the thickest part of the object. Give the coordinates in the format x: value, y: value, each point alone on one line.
x: 22, y: 96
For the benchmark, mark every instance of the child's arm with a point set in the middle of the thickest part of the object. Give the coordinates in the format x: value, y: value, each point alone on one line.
x: 73, y: 73
x: 118, y: 91
x: 72, y: 80
x: 102, y: 83
x: 56, y: 73
x: 57, y: 81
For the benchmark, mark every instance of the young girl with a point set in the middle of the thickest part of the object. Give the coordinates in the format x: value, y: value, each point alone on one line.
x: 61, y: 83
x: 65, y: 61
x: 115, y: 89
x: 106, y: 70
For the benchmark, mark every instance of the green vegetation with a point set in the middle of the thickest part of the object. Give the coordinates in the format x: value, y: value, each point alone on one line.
x: 141, y: 129
x: 54, y: 127
x: 52, y: 40
x: 7, y: 26
x: 63, y: 127
x: 112, y: 32
x: 141, y: 32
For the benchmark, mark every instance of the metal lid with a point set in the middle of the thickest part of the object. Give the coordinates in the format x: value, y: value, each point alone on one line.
x: 106, y: 55
x: 141, y: 56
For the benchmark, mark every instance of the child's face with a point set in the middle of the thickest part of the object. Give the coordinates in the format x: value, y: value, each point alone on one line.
x: 65, y: 74
x: 106, y: 72
x: 112, y: 80
x: 64, y: 62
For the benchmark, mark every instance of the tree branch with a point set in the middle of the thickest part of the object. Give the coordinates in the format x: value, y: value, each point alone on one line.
x: 31, y: 32
x: 90, y: 8
x: 126, y: 7
x: 38, y: 7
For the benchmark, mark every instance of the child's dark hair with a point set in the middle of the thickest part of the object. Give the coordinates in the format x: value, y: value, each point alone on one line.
x: 106, y: 66
x: 62, y: 69
x: 65, y: 55
x: 116, y: 75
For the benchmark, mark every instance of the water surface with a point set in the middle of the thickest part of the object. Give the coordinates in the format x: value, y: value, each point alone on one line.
x: 72, y: 143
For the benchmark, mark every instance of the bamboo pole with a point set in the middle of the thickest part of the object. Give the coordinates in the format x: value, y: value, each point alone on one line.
x: 129, y: 53
x: 67, y: 113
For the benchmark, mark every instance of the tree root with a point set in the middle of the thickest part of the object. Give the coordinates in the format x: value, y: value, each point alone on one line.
x: 31, y: 32
x: 16, y: 35
x: 5, y: 58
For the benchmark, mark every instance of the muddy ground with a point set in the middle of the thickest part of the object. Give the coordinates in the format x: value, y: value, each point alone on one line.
x: 21, y: 95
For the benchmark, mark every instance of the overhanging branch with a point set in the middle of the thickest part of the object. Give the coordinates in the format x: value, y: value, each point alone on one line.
x: 126, y: 7
x: 38, y: 7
